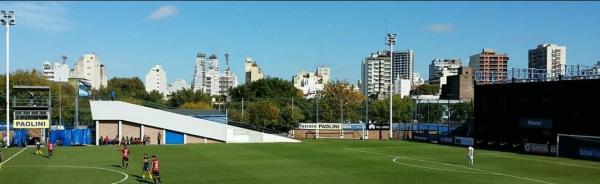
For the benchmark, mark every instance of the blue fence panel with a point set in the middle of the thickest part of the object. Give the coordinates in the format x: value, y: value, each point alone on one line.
x: 20, y: 137
x: 71, y: 137
x: 67, y: 139
x: 76, y: 137
x: 174, y: 137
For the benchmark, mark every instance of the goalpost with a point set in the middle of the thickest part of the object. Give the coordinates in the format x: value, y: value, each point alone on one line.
x: 578, y: 146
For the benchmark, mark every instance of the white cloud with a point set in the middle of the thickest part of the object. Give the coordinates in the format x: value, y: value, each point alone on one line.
x: 47, y: 16
x: 163, y: 12
x: 440, y: 28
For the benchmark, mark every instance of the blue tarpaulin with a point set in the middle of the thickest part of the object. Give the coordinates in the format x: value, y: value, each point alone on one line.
x: 70, y: 137
x: 20, y: 137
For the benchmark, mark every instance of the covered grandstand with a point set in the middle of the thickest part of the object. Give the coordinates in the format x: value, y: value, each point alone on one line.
x: 117, y: 119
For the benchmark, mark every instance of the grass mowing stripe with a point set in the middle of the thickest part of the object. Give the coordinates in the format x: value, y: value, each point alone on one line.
x: 433, y: 168
x: 540, y: 160
x: 13, y: 156
x: 427, y: 161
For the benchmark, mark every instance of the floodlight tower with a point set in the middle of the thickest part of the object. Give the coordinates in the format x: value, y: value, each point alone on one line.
x: 7, y: 19
x: 391, y: 41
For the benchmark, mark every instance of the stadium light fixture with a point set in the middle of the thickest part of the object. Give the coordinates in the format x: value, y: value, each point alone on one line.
x: 7, y: 19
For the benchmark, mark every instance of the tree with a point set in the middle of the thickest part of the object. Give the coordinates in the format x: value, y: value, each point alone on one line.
x: 291, y: 116
x: 155, y: 97
x: 266, y: 88
x: 123, y: 88
x: 263, y: 113
x: 276, y: 112
x: 379, y: 110
x: 340, y: 103
x: 196, y: 105
x: 178, y: 98
x: 427, y: 89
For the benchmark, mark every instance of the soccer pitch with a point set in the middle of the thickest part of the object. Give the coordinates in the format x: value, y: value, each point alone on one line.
x: 321, y: 161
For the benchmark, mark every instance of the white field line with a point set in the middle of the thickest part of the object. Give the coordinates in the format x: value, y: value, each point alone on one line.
x: 433, y: 168
x: 78, y: 167
x: 540, y: 160
x: 13, y: 156
x: 434, y: 162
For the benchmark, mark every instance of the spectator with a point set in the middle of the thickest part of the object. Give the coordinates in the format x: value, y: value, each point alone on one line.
x: 159, y: 138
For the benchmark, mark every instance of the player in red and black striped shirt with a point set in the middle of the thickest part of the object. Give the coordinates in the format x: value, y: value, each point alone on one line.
x: 155, y: 169
x: 125, y: 159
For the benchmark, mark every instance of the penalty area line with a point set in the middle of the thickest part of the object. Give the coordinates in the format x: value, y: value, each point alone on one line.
x: 12, y: 157
x: 435, y: 162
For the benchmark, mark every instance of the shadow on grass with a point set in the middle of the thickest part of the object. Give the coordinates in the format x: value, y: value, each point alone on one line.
x: 115, y: 165
x: 457, y: 163
x: 139, y: 179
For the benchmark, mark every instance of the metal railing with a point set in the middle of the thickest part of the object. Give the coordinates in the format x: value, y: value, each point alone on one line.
x: 30, y: 103
x: 521, y: 75
x: 257, y: 128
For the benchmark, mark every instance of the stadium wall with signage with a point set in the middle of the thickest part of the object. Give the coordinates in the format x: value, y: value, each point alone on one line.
x: 526, y: 117
x: 340, y: 131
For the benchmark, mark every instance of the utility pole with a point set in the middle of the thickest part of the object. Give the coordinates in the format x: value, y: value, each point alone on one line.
x: 242, y: 109
x: 318, y: 108
x: 64, y: 58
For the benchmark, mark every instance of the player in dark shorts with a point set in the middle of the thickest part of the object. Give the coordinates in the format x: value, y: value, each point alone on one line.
x: 146, y: 167
x: 38, y: 148
x: 50, y: 148
x: 155, y: 169
x: 125, y: 156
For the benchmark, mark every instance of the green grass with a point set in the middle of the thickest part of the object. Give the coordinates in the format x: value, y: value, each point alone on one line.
x: 323, y: 161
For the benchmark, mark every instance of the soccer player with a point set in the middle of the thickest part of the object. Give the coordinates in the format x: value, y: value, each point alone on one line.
x: 470, y: 152
x: 125, y: 160
x: 38, y: 148
x: 50, y: 148
x: 155, y: 169
x: 146, y: 167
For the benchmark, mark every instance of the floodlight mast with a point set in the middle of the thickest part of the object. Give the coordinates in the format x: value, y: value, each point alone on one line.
x: 7, y: 19
x: 391, y: 41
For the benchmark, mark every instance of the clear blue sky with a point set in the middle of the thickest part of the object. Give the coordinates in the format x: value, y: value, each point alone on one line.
x: 286, y: 37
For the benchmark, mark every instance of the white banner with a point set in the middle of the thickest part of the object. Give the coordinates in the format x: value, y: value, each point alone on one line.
x: 353, y: 126
x: 332, y: 126
x: 307, y: 126
x: 323, y: 126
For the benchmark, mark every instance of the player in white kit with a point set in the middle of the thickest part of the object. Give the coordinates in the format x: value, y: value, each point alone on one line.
x: 470, y: 151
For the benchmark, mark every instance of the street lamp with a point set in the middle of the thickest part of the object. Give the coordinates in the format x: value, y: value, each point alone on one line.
x: 391, y: 40
x: 7, y: 19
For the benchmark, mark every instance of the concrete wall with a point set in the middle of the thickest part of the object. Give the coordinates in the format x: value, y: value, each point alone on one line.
x: 199, y: 140
x: 374, y: 134
x: 304, y: 134
x: 310, y: 134
x: 153, y: 133
x: 109, y: 128
x: 130, y: 129
x: 352, y: 134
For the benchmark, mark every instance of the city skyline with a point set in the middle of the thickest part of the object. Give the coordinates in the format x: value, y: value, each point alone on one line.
x: 132, y: 36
